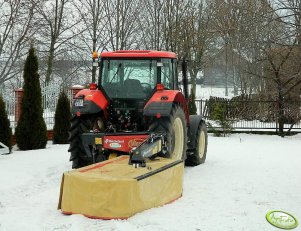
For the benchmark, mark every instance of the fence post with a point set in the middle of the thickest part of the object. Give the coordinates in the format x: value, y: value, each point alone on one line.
x: 18, y: 103
x: 201, y: 107
x: 75, y: 89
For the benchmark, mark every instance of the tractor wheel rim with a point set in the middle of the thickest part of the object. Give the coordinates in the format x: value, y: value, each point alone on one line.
x: 201, y: 147
x: 179, y: 139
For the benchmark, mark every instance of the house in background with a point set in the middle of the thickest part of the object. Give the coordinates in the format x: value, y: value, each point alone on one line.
x: 227, y: 69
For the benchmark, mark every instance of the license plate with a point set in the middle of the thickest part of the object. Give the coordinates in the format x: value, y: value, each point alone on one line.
x: 79, y: 103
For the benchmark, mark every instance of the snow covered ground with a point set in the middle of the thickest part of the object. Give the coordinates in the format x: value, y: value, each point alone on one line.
x: 204, y: 92
x: 243, y: 178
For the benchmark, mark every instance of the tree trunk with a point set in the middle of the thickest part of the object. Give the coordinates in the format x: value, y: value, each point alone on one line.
x: 93, y: 67
x: 94, y: 39
x: 226, y: 69
x: 193, y: 75
x: 50, y: 63
x: 280, y: 111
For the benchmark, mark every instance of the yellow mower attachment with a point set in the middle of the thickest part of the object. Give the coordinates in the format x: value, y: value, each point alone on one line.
x: 113, y: 189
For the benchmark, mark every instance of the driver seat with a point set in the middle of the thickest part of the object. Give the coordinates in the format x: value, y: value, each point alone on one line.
x: 134, y: 88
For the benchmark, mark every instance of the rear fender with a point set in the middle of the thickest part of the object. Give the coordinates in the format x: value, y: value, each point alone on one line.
x: 94, y: 102
x: 162, y: 101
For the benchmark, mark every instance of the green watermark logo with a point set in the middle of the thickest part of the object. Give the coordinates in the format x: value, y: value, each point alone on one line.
x: 282, y: 220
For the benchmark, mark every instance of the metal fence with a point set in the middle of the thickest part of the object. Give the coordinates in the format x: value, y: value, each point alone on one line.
x: 10, y: 102
x: 50, y: 95
x: 247, y: 115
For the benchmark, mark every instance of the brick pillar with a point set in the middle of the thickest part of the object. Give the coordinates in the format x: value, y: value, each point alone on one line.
x: 18, y: 102
x: 75, y: 89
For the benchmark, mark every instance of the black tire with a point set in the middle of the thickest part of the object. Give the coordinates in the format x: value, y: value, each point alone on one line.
x: 199, y: 153
x: 176, y: 132
x: 78, y: 155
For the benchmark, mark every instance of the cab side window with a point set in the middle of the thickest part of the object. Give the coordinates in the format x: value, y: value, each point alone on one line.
x: 167, y: 73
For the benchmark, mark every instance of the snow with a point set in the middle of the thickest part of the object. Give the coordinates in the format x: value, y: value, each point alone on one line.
x: 205, y: 92
x: 243, y: 178
x: 77, y: 87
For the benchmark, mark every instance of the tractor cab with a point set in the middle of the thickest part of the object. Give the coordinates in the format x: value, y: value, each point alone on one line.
x: 129, y: 79
x: 136, y: 74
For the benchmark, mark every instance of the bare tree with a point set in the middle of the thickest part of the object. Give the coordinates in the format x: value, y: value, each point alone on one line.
x: 292, y: 15
x: 93, y: 19
x: 173, y: 17
x: 57, y: 27
x: 227, y: 18
x: 162, y: 22
x: 150, y: 24
x: 122, y: 23
x: 15, y: 30
x: 196, y: 38
x: 278, y: 55
x: 282, y: 75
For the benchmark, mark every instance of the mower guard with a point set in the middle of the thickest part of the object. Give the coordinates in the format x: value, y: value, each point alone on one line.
x: 113, y: 189
x: 123, y: 142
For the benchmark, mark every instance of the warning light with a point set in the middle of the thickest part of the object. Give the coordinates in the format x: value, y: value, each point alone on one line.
x: 95, y: 55
x: 160, y: 87
x: 93, y: 86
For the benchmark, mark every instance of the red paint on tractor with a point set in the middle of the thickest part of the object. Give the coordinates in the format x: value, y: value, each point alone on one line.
x: 170, y: 96
x: 94, y: 95
x: 123, y: 143
x: 103, y: 164
x: 138, y: 54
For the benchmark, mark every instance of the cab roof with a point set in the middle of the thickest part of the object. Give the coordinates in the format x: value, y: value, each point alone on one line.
x: 138, y: 54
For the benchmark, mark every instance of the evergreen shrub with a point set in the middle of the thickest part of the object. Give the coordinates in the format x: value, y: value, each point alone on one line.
x: 5, y: 129
x: 31, y: 131
x: 62, y: 120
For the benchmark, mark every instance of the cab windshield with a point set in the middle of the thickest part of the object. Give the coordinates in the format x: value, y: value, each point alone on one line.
x: 129, y: 78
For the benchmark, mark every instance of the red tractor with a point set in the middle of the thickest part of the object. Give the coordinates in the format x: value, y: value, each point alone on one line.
x: 136, y: 108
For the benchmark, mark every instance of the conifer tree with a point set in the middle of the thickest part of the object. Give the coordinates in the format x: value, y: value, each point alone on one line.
x: 191, y: 103
x: 62, y: 120
x: 5, y: 130
x: 31, y: 131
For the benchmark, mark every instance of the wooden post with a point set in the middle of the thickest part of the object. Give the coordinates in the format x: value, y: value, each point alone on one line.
x: 75, y: 89
x: 18, y: 103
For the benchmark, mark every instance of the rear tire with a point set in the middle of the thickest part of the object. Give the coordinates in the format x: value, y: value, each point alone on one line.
x: 176, y: 132
x: 78, y: 155
x: 199, y: 153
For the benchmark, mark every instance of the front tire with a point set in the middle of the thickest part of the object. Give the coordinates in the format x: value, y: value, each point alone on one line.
x: 176, y: 132
x: 199, y: 153
x: 80, y: 125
